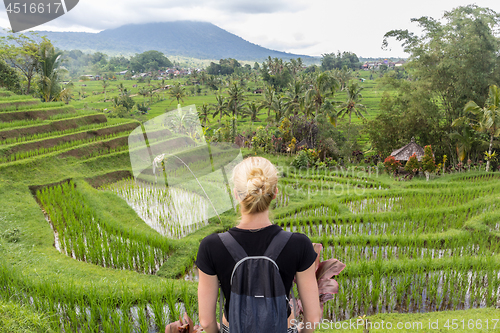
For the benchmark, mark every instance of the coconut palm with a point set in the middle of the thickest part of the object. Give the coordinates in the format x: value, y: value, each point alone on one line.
x: 294, y: 96
x: 144, y: 92
x: 177, y: 92
x: 105, y: 84
x: 220, y: 107
x: 267, y: 102
x: 49, y: 72
x: 322, y: 86
x: 465, y: 140
x: 352, y: 104
x: 279, y: 107
x: 204, y: 112
x: 488, y: 117
x: 251, y: 110
x: 235, y: 103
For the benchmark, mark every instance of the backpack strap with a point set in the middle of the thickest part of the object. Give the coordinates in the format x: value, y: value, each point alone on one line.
x: 234, y: 248
x: 277, y: 244
x: 221, y: 305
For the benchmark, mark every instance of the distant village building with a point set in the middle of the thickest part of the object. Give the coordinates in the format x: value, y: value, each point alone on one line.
x: 404, y: 153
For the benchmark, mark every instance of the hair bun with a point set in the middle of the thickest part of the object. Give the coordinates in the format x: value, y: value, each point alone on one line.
x: 256, y: 182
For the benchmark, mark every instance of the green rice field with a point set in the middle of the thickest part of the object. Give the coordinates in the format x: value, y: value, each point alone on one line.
x: 84, y: 247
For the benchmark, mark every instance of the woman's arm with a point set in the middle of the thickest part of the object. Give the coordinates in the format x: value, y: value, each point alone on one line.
x: 309, y: 296
x: 208, y: 287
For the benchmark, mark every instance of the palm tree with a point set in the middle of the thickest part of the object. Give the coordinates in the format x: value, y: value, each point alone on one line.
x: 177, y: 92
x: 105, y: 84
x: 235, y: 102
x: 343, y: 75
x: 144, y: 92
x: 322, y: 86
x: 352, y: 103
x: 251, y: 110
x: 279, y: 107
x: 204, y: 112
x: 465, y: 141
x: 294, y: 96
x: 489, y: 117
x: 267, y: 102
x: 49, y: 72
x: 220, y: 107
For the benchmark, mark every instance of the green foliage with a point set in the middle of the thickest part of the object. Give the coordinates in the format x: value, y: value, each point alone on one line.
x: 331, y: 61
x: 413, y: 164
x: 428, y: 163
x: 457, y: 59
x: 9, y: 78
x: 224, y: 67
x: 48, y: 86
x: 22, y: 51
x: 305, y: 158
x: 262, y: 140
x: 409, y: 113
x: 149, y: 61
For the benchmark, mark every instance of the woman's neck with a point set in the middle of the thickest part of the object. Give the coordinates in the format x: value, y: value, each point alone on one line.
x: 255, y: 221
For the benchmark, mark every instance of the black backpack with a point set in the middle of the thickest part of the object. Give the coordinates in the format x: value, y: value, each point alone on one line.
x: 259, y: 300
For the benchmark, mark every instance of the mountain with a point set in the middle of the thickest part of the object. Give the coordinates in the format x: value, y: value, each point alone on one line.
x: 200, y: 40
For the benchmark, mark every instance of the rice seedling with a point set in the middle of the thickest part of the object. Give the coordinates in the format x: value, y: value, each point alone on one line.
x: 88, y: 239
x: 171, y: 211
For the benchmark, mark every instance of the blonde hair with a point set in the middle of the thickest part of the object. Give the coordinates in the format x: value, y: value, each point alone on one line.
x: 255, y: 180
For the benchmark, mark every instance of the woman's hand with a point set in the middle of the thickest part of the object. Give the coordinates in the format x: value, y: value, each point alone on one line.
x: 208, y: 287
x: 309, y: 296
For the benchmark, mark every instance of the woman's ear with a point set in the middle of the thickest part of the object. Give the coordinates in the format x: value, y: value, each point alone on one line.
x: 236, y: 196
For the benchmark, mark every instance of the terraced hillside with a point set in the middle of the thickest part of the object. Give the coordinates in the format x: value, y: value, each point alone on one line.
x: 73, y: 249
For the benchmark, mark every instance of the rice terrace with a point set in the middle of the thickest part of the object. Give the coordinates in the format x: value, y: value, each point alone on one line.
x: 108, y: 185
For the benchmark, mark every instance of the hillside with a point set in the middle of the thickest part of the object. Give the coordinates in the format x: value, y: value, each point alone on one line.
x: 200, y: 40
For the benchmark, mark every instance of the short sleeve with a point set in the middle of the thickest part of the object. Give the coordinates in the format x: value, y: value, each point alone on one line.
x: 308, y: 255
x: 204, y: 258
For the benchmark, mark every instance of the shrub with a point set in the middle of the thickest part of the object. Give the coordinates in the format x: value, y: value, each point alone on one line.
x: 428, y: 163
x: 391, y: 165
x: 413, y: 165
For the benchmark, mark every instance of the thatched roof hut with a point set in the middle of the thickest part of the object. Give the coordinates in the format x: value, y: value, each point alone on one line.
x: 404, y: 153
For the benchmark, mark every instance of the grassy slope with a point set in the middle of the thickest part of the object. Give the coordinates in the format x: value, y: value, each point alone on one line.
x: 15, y: 318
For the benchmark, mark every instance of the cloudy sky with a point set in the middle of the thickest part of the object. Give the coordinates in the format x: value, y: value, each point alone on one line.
x: 309, y: 27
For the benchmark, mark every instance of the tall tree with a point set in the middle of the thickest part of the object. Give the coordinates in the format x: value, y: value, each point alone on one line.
x: 458, y: 57
x: 49, y: 72
x: 352, y: 104
x: 267, y: 102
x: 322, y: 86
x: 22, y: 52
x: 177, y: 92
x: 204, y: 112
x: 219, y: 107
x: 488, y: 117
x: 105, y: 84
x: 234, y: 103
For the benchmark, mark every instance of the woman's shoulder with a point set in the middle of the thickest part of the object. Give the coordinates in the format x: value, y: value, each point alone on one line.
x: 300, y: 238
x: 210, y: 240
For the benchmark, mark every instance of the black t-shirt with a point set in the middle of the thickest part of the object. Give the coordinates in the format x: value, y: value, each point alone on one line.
x: 214, y: 259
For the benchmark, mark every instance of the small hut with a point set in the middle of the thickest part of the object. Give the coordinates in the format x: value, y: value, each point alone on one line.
x: 404, y: 153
